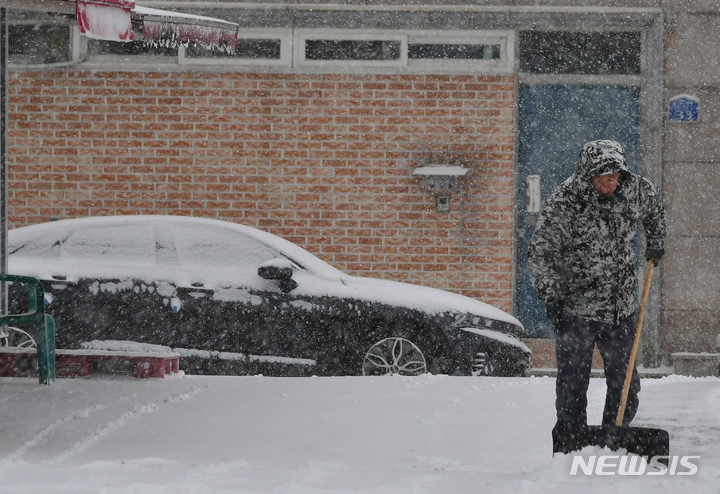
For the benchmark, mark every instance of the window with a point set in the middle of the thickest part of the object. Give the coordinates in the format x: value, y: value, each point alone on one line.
x: 102, y: 47
x: 444, y: 51
x: 254, y: 47
x: 349, y: 48
x: 591, y: 53
x: 331, y: 50
x: 109, y: 243
x: 401, y: 50
x: 214, y: 247
x: 39, y: 44
x: 342, y: 49
x: 461, y: 51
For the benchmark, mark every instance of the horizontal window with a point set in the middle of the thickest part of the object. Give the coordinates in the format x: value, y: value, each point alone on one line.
x: 591, y: 53
x: 353, y: 49
x: 435, y: 51
x: 348, y: 49
x: 248, y: 49
x: 340, y: 49
x: 258, y: 47
x: 304, y: 50
x: 39, y: 44
x: 460, y: 51
x: 98, y: 47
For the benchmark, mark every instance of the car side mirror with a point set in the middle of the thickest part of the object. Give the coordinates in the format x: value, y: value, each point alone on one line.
x: 280, y: 270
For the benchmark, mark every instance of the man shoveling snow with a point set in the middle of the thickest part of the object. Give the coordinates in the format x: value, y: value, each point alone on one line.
x: 583, y: 264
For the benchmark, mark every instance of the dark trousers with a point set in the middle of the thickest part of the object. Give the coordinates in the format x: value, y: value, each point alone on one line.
x: 575, y: 343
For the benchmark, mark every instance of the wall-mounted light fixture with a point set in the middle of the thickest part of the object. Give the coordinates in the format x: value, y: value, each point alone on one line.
x: 442, y: 180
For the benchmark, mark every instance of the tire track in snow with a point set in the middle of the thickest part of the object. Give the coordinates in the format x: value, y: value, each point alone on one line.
x: 131, y: 413
x: 40, y: 437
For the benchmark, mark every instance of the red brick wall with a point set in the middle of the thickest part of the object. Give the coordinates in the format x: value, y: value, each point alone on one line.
x: 323, y: 160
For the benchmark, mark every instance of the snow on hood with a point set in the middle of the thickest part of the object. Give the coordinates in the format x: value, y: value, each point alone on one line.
x: 427, y: 299
x: 174, y: 251
x: 501, y: 337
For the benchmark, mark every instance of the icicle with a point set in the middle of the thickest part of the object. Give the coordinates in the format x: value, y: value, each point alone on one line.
x: 174, y: 34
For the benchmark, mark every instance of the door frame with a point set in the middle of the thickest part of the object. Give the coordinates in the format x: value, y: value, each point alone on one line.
x: 650, y: 82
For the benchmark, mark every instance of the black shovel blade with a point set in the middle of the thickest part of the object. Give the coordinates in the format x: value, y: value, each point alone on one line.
x: 641, y: 441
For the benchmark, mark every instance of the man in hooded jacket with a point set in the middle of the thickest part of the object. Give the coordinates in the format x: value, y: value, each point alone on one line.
x: 583, y: 266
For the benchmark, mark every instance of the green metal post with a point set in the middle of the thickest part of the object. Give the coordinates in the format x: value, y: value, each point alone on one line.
x: 46, y: 352
x: 43, y: 324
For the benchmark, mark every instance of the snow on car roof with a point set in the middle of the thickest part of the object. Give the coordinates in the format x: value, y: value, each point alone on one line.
x: 185, y: 251
x: 135, y: 239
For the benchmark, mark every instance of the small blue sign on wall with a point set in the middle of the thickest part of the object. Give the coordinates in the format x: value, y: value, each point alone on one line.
x: 684, y: 108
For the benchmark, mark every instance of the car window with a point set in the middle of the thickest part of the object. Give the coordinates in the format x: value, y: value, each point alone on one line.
x: 38, y: 246
x: 216, y: 247
x: 116, y: 242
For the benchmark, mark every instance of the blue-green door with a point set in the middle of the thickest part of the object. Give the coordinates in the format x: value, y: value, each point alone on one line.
x: 554, y: 122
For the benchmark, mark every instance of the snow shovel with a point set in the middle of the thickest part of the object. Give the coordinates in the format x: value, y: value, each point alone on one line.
x: 642, y: 441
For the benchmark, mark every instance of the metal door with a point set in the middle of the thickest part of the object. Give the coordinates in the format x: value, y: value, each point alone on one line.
x: 554, y: 122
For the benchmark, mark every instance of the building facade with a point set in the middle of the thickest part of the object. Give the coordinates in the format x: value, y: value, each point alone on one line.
x: 324, y: 125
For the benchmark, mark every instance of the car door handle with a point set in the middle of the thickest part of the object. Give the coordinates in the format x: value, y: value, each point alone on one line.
x: 195, y: 291
x: 58, y: 282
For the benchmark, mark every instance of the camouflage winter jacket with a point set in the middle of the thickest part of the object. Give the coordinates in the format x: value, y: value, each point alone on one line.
x: 582, y: 253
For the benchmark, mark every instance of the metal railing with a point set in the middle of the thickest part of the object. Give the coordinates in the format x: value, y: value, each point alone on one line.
x: 42, y: 323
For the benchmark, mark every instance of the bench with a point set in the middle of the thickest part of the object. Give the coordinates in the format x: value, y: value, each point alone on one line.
x: 22, y: 362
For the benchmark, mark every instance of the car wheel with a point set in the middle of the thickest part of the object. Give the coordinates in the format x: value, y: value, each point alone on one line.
x: 16, y: 338
x: 394, y: 356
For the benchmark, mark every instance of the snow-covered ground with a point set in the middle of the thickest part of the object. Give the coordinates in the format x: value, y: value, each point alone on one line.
x: 395, y: 435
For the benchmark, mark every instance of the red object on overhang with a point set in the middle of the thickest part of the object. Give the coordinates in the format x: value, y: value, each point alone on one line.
x: 166, y: 28
x: 105, y: 19
x: 112, y: 20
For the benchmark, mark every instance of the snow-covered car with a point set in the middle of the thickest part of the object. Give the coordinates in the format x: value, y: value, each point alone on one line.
x: 232, y: 299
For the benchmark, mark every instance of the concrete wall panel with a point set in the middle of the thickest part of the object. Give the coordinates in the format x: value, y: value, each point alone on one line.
x: 693, y: 141
x: 691, y: 198
x: 691, y: 48
x: 692, y: 273
x: 690, y: 331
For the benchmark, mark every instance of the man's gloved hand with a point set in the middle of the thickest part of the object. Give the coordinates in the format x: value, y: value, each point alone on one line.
x: 655, y: 255
x: 556, y: 314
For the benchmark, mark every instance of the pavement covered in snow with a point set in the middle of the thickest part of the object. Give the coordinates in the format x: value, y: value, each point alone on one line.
x: 426, y: 434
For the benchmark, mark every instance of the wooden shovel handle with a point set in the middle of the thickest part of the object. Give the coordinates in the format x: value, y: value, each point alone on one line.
x: 636, y: 342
